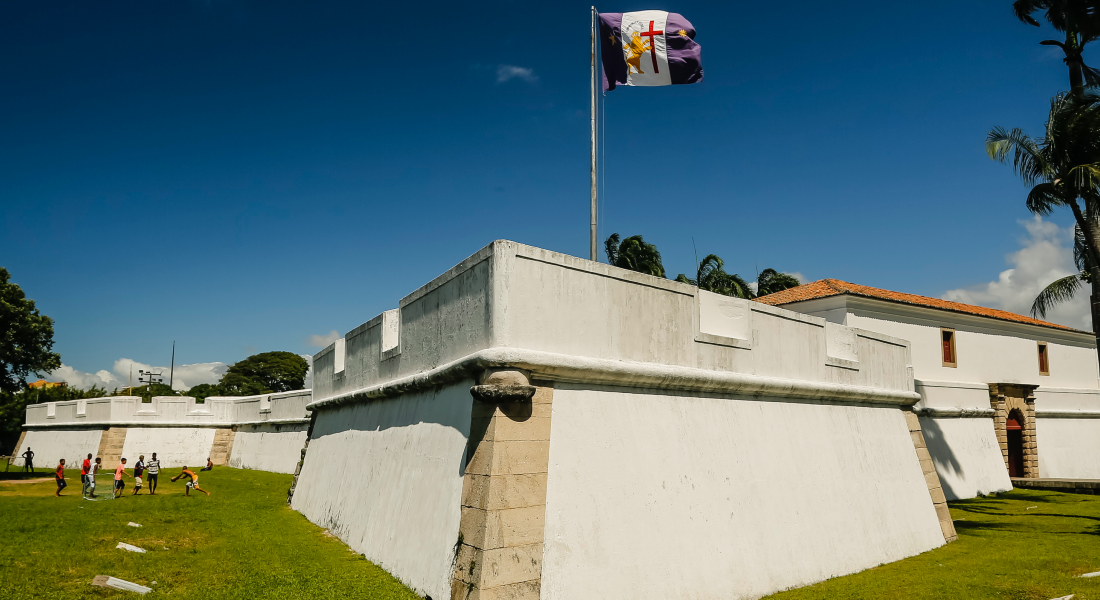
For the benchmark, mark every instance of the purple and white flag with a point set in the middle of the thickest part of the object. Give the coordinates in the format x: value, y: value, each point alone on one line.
x: 648, y: 47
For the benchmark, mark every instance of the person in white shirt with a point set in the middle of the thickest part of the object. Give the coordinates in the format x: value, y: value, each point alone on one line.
x: 152, y: 470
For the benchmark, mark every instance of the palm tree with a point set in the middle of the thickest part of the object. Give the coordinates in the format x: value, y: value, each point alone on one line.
x: 1080, y: 21
x: 1064, y: 169
x: 635, y: 254
x: 712, y: 277
x: 1063, y: 289
x: 770, y: 281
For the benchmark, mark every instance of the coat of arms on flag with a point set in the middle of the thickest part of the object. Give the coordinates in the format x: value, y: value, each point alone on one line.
x: 648, y: 47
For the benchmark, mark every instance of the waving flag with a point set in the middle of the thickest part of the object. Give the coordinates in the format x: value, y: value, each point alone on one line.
x: 648, y: 47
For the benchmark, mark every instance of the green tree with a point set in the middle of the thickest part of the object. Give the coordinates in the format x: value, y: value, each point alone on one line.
x: 26, y: 337
x: 770, y: 281
x: 1063, y: 168
x: 13, y: 408
x: 635, y: 254
x: 1079, y: 20
x: 203, y: 391
x: 265, y: 373
x: 712, y: 277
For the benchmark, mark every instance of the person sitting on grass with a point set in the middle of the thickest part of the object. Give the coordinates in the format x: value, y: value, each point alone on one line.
x: 193, y: 482
x: 209, y: 465
x: 139, y: 468
x: 59, y: 474
x: 119, y: 472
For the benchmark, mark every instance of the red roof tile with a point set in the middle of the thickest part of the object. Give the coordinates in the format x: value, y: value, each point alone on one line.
x: 834, y: 287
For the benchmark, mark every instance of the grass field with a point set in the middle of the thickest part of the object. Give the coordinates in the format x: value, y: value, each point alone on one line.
x: 240, y: 542
x: 243, y: 542
x: 1023, y: 545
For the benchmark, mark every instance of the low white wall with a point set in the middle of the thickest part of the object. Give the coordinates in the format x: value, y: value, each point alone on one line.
x: 1068, y: 448
x: 51, y: 446
x: 386, y: 478
x: 967, y: 456
x: 275, y: 448
x: 175, y: 446
x: 652, y: 495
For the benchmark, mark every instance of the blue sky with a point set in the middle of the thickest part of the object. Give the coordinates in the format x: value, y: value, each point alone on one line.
x: 241, y: 176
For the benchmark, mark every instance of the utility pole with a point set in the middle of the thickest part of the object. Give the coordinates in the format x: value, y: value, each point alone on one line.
x: 592, y: 108
x: 172, y: 369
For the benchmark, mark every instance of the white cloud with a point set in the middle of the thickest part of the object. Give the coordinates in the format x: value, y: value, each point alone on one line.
x: 508, y: 72
x: 184, y: 378
x: 799, y: 276
x: 1047, y: 255
x: 322, y: 341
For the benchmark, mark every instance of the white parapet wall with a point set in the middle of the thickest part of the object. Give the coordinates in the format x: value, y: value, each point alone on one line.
x: 1067, y: 427
x: 181, y: 430
x: 691, y: 445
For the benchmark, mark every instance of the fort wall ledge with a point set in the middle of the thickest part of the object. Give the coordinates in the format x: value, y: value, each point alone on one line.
x: 576, y: 369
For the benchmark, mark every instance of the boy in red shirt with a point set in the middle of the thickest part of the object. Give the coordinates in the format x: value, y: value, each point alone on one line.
x: 59, y: 475
x: 119, y: 472
x: 85, y: 474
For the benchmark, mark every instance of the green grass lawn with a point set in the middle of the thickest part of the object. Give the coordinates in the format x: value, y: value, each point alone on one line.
x: 1023, y: 545
x: 240, y: 542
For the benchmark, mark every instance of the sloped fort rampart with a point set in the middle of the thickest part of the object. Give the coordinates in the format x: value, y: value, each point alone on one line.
x: 534, y: 425
x: 263, y: 432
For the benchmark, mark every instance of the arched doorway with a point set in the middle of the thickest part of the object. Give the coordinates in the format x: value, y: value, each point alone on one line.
x: 1014, y: 426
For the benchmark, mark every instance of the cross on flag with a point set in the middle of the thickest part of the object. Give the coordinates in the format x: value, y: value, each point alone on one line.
x: 648, y: 47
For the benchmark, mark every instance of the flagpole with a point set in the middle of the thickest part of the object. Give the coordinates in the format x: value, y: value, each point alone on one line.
x: 592, y: 107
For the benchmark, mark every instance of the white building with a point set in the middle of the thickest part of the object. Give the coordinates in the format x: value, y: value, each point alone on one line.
x: 1001, y: 393
x: 531, y: 425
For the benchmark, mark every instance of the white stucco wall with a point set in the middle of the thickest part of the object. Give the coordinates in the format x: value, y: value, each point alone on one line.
x: 386, y: 477
x: 51, y: 446
x: 175, y: 446
x: 1068, y: 448
x: 275, y: 448
x: 651, y: 495
x: 967, y: 456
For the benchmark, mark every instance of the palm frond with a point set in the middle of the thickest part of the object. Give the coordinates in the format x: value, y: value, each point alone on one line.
x: 611, y: 248
x: 1023, y: 9
x: 1057, y: 292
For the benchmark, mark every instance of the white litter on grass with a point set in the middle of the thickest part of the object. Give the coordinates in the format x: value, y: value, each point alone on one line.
x: 1063, y: 597
x: 1094, y: 574
x: 119, y: 584
x: 1029, y: 508
x: 132, y: 524
x: 126, y: 546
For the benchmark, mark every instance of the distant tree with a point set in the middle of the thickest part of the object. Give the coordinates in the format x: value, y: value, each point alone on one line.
x: 265, y: 373
x: 635, y: 254
x: 712, y: 277
x: 146, y: 392
x: 203, y: 391
x: 13, y: 408
x: 770, y: 281
x: 1079, y: 20
x: 26, y: 337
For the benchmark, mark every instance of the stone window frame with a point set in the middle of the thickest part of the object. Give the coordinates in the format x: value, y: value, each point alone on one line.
x: 1044, y: 358
x: 954, y: 362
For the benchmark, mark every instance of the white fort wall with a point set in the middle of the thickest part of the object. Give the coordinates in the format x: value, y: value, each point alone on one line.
x: 712, y: 392
x: 179, y: 429
x: 386, y: 478
x: 667, y: 496
x: 957, y: 417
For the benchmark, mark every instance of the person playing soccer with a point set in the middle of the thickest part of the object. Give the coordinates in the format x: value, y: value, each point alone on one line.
x: 139, y: 468
x: 91, y: 476
x: 193, y: 482
x: 119, y: 472
x: 59, y: 474
x: 85, y: 475
x: 154, y: 470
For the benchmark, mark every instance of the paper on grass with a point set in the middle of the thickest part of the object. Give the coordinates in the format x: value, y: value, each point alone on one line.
x: 119, y: 584
x: 125, y: 546
x: 132, y: 524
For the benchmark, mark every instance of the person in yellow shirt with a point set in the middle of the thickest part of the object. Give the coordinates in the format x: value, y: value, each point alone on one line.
x: 192, y: 482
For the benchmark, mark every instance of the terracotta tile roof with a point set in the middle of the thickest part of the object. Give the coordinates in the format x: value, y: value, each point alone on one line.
x: 834, y: 287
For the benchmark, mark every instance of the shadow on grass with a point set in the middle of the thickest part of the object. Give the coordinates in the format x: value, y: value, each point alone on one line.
x: 17, y: 475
